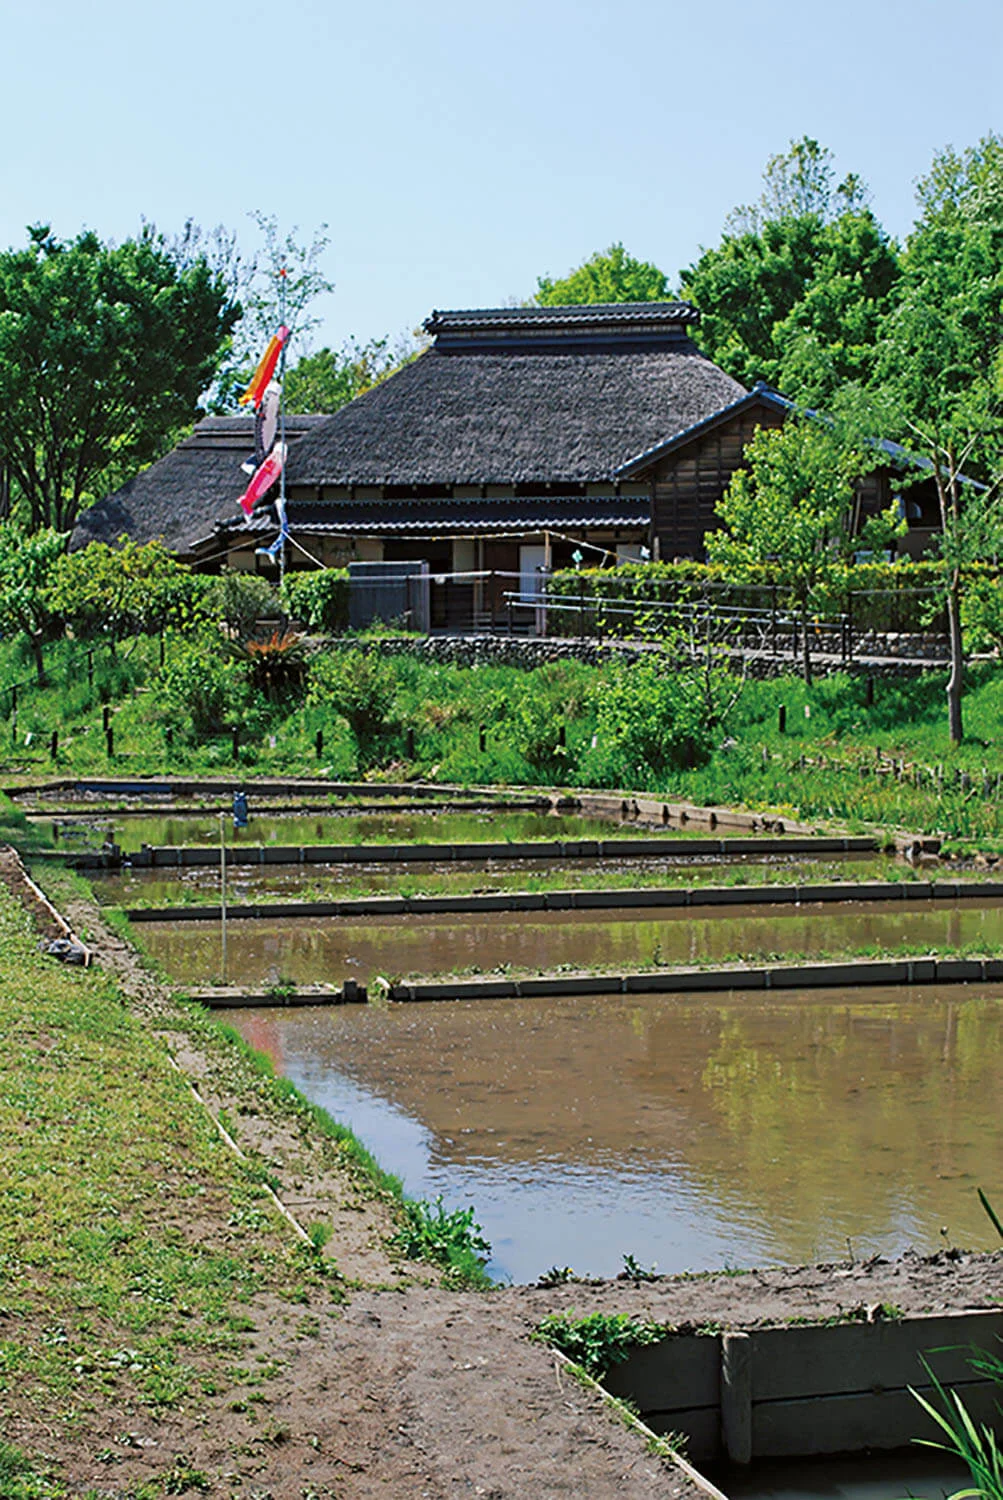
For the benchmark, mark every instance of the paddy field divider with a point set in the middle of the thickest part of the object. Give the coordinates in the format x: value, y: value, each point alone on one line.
x: 583, y: 900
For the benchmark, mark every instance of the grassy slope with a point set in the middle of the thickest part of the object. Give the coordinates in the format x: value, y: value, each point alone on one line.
x: 841, y: 760
x: 132, y: 1243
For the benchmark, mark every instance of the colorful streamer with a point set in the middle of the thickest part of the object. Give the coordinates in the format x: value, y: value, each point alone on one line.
x: 266, y: 368
x: 264, y: 477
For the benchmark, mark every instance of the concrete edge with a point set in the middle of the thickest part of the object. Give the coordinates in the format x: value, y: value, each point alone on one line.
x: 585, y: 900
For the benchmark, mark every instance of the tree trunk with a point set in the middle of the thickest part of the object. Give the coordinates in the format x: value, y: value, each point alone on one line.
x: 35, y: 642
x: 805, y: 643
x: 956, y: 680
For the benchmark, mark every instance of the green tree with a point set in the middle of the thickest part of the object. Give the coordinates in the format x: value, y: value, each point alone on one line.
x: 788, y: 516
x: 795, y: 291
x: 120, y: 591
x: 940, y: 375
x: 610, y: 275
x: 104, y: 352
x: 799, y: 182
x: 27, y: 561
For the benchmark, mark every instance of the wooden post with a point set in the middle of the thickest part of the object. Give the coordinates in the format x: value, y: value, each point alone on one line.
x: 319, y: 743
x: 736, y: 1397
x: 782, y: 719
x: 90, y: 669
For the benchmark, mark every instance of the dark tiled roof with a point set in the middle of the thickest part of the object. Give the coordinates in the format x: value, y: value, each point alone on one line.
x: 443, y: 518
x: 583, y: 315
x: 515, y: 415
x: 183, y: 495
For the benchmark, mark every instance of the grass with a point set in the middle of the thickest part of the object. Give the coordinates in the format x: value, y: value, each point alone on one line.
x: 885, y: 762
x: 133, y: 1244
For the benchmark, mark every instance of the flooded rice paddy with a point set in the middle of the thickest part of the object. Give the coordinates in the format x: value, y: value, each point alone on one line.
x: 307, y: 950
x: 325, y: 882
x: 689, y: 1133
x: 349, y: 826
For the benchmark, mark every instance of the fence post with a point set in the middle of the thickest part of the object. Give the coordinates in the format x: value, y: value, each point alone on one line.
x: 90, y: 668
x: 109, y: 742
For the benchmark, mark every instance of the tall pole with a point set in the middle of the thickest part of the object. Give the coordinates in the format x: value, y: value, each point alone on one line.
x: 222, y: 889
x: 282, y: 429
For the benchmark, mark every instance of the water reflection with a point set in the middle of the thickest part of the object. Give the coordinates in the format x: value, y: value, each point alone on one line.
x: 431, y: 826
x: 328, y: 882
x: 326, y: 950
x: 687, y: 1133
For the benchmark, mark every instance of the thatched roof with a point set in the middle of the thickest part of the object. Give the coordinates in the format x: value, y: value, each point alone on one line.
x: 181, y: 497
x: 523, y: 396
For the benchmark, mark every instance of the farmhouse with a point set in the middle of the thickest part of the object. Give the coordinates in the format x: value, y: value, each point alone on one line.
x: 520, y: 438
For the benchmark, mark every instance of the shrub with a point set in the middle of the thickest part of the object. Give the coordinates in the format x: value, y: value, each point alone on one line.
x: 362, y: 688
x: 650, y: 719
x: 209, y: 693
x: 319, y: 599
x: 237, y: 601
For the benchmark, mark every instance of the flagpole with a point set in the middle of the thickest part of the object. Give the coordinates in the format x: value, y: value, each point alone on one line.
x: 222, y: 889
x: 282, y: 430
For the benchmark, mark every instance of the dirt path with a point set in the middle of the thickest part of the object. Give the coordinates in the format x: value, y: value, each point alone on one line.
x: 411, y: 1390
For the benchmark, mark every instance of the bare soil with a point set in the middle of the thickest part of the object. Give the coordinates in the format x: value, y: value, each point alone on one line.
x: 411, y: 1389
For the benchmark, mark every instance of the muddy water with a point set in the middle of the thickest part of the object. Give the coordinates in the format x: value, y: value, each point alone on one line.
x: 352, y: 827
x: 691, y: 1133
x: 327, y: 950
x: 329, y: 882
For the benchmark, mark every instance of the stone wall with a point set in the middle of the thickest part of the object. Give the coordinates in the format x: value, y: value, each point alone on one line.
x: 527, y: 652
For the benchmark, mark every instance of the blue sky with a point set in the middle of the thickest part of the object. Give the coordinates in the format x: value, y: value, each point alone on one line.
x: 458, y: 151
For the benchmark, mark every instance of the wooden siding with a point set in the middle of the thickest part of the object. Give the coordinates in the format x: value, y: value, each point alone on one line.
x: 689, y: 482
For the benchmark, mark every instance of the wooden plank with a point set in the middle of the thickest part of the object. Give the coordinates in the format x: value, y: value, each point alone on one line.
x: 798, y: 1362
x: 846, y: 1424
x: 679, y: 1372
x: 736, y: 1397
x: 701, y: 1427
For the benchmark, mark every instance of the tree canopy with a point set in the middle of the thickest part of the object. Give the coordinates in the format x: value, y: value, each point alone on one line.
x: 104, y: 352
x: 796, y: 289
x: 610, y: 275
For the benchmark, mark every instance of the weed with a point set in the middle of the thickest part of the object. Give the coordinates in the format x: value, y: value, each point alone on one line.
x: 452, y: 1240
x: 598, y: 1340
x: 181, y: 1477
x: 634, y: 1271
x: 557, y: 1276
x: 977, y: 1446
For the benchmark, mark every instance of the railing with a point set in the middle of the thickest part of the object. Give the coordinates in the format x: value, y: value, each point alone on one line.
x: 776, y: 633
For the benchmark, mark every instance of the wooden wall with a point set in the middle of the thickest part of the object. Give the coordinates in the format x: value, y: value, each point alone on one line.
x: 796, y: 1391
x: 689, y: 482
